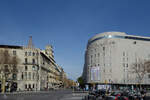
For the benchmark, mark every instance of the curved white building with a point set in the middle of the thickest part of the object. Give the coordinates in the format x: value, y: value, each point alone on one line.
x: 109, y: 55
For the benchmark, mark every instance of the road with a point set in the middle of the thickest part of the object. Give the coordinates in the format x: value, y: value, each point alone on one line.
x: 53, y: 95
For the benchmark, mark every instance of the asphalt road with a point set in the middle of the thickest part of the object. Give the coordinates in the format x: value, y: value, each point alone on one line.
x: 53, y: 95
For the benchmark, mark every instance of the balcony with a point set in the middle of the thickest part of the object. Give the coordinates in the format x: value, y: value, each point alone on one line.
x: 30, y: 63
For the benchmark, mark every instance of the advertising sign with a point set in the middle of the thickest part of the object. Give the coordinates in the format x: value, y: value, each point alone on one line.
x: 95, y: 74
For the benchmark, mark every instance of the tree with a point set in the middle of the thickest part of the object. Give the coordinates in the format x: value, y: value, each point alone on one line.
x: 8, y: 67
x: 140, y: 69
x: 81, y: 82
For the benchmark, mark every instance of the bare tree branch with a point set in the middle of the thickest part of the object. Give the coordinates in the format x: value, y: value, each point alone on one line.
x: 140, y: 68
x: 8, y: 63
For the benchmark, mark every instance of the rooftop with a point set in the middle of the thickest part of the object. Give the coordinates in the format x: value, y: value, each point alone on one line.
x: 107, y: 34
x: 11, y: 46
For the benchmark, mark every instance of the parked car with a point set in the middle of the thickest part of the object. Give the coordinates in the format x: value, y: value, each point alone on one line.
x: 117, y: 95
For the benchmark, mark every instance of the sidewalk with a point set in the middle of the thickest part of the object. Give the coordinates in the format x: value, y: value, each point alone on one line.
x: 28, y: 93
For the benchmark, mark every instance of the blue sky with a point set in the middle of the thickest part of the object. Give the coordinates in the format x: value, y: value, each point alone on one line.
x: 68, y: 24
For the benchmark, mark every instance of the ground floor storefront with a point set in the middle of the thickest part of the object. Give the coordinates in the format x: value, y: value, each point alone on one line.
x: 96, y: 86
x: 9, y: 86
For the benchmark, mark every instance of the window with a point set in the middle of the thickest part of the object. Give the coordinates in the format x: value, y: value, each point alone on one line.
x: 25, y: 86
x: 98, y: 54
x: 22, y: 76
x: 33, y: 54
x: 29, y: 75
x: 14, y: 76
x: 37, y: 76
x: 33, y: 76
x: 110, y: 70
x: 134, y: 42
x: 29, y: 86
x: 26, y: 75
x: 14, y: 53
x: 104, y: 53
x: 33, y: 61
x: 127, y: 65
x: 137, y: 38
x: 25, y: 53
x: 26, y: 60
x: 110, y: 64
x: 148, y: 75
x: 123, y: 53
x: 33, y: 67
x: 148, y: 70
x: 14, y: 68
x: 47, y: 78
x: 123, y: 59
x: 37, y: 54
x: 91, y: 56
x: 6, y: 69
x: 37, y: 68
x: 103, y: 48
x: 123, y: 64
x: 26, y: 68
x: 113, y: 42
x: 29, y: 53
x: 33, y: 86
x: 109, y: 80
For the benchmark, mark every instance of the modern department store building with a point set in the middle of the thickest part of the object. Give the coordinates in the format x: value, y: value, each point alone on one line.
x: 109, y: 57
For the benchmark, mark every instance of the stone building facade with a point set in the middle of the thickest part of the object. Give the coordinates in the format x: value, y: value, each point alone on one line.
x: 37, y: 69
x: 110, y: 55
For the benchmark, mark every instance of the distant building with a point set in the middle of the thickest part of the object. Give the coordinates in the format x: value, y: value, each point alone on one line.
x: 37, y: 69
x: 110, y: 55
